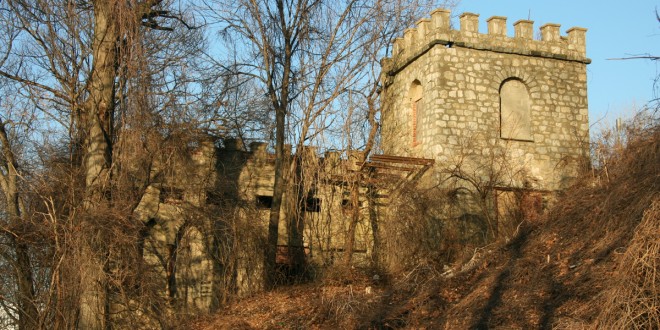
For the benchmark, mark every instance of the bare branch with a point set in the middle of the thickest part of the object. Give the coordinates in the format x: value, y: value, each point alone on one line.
x: 639, y: 57
x: 28, y: 82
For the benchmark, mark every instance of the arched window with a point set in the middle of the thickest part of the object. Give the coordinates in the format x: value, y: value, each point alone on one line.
x: 515, y: 111
x: 417, y: 112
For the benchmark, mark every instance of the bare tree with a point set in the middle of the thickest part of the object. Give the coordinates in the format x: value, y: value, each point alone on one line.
x: 306, y: 55
x: 83, y: 65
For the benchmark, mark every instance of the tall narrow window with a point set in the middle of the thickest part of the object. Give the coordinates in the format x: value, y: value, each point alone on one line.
x: 417, y: 107
x: 515, y: 111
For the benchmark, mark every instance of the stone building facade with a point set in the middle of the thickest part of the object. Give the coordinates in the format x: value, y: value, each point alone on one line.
x: 206, y: 218
x: 316, y: 208
x: 178, y: 237
x: 465, y: 98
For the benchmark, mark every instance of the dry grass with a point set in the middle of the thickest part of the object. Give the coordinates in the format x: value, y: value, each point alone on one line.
x: 633, y: 302
x: 351, y: 301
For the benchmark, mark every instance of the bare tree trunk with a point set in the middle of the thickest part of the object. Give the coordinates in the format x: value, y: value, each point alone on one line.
x: 28, y: 315
x: 349, y: 244
x: 27, y: 310
x: 98, y: 159
x: 101, y: 104
x: 372, y: 110
x: 280, y: 102
x: 276, y: 206
x: 301, y: 202
x: 375, y: 227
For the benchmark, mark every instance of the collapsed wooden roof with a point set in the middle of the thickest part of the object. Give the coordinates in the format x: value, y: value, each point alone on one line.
x: 382, y: 169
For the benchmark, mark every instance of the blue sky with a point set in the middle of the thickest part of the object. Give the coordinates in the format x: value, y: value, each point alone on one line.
x: 615, y: 29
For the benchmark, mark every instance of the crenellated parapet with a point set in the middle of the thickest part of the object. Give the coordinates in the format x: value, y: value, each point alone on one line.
x: 437, y: 31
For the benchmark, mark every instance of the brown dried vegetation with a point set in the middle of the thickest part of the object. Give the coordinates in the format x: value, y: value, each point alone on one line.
x: 589, y: 262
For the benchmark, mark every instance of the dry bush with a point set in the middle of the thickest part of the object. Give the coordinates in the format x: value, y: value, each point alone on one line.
x: 416, y: 230
x: 616, y: 152
x: 435, y: 227
x: 240, y: 253
x: 633, y: 302
x: 343, y: 305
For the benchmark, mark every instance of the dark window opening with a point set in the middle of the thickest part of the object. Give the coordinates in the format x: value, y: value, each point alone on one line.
x: 417, y: 110
x: 264, y: 202
x: 313, y: 204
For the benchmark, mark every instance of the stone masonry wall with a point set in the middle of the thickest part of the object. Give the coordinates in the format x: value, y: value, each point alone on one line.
x: 326, y: 210
x: 461, y: 74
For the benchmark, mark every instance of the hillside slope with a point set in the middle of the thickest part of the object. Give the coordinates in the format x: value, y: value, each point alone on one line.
x: 592, y: 261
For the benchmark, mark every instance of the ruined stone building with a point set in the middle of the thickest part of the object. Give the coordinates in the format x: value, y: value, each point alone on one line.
x: 446, y: 88
x: 483, y: 118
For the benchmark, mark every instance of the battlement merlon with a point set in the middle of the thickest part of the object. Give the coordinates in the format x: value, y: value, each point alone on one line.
x: 436, y: 30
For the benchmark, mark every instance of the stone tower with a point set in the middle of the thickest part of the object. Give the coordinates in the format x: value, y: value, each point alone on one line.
x: 461, y: 96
